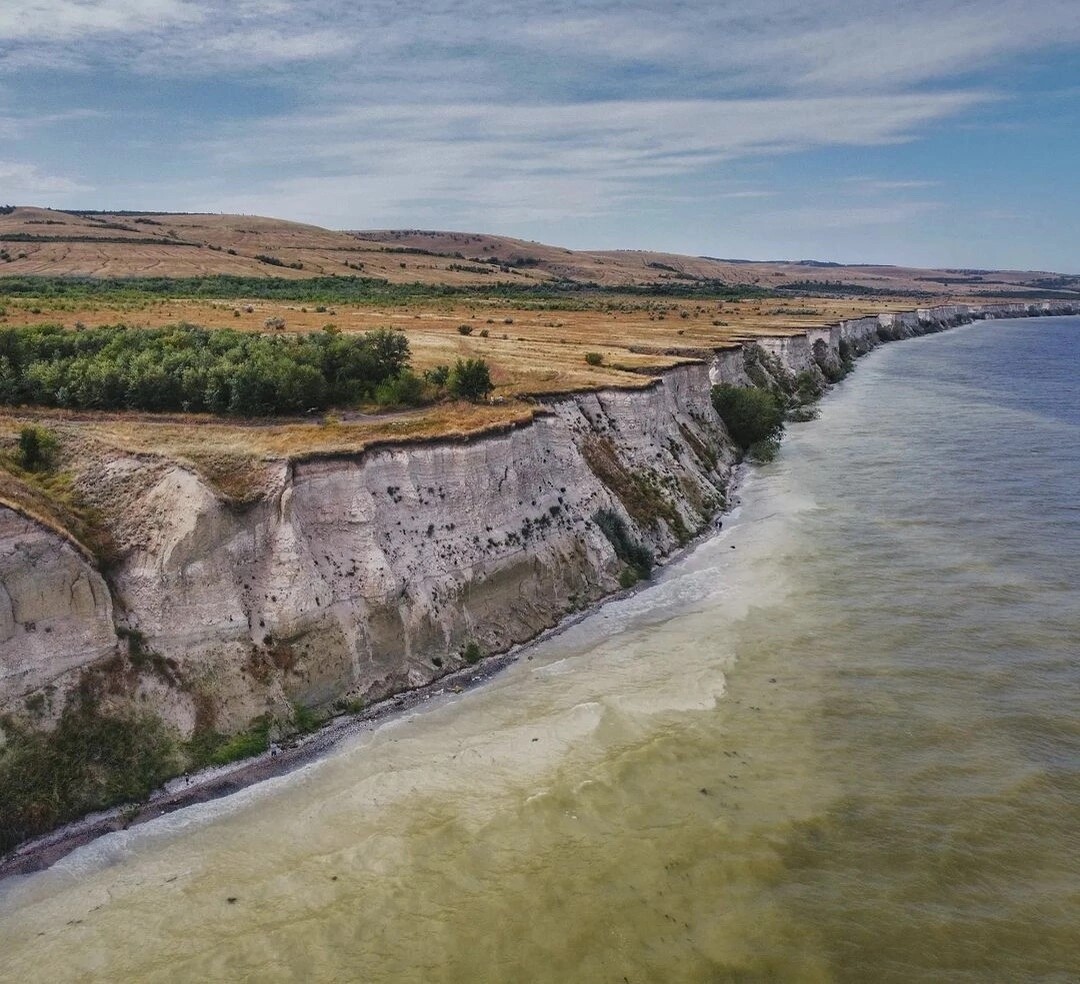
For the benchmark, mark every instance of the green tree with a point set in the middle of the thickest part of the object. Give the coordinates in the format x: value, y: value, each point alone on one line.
x: 750, y: 415
x: 470, y: 379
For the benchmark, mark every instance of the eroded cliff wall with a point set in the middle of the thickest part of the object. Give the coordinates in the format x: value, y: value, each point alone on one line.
x: 360, y: 576
x: 364, y: 575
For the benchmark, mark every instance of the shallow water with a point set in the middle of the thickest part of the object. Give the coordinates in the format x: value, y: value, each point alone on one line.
x: 839, y: 742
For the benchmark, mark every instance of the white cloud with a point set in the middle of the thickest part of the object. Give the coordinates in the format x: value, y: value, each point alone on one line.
x: 562, y: 159
x: 875, y: 185
x: 789, y: 46
x: 21, y: 183
x: 44, y: 21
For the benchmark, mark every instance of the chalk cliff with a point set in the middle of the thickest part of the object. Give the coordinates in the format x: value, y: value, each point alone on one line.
x: 363, y: 575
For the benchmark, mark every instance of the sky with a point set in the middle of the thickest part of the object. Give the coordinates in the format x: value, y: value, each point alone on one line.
x: 942, y: 133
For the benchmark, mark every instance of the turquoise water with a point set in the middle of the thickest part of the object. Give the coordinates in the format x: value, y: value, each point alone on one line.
x: 839, y: 742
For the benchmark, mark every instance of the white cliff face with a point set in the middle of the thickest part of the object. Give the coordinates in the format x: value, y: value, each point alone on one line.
x: 366, y: 575
x: 56, y: 611
x: 363, y: 575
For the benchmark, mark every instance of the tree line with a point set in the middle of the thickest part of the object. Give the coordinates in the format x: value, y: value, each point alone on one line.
x: 188, y: 368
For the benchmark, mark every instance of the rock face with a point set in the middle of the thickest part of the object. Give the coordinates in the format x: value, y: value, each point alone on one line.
x: 364, y: 575
x: 56, y: 611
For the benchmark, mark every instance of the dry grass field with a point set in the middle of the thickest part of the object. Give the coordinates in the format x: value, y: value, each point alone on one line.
x: 535, y: 350
x: 48, y: 242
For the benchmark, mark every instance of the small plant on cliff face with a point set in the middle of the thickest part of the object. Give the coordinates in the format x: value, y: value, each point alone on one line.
x: 472, y: 654
x: 212, y: 748
x: 305, y: 719
x: 808, y: 387
x: 594, y: 358
x: 37, y: 448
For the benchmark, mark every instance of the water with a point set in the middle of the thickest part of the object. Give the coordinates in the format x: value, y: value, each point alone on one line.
x: 847, y: 749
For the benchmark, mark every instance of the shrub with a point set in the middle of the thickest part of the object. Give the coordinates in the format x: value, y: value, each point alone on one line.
x: 88, y: 762
x: 37, y: 448
x: 750, y: 414
x: 405, y: 389
x: 438, y: 376
x: 306, y: 720
x: 594, y: 358
x: 464, y: 329
x: 213, y: 748
x: 470, y: 379
x: 472, y: 654
x: 276, y: 323
x: 808, y: 387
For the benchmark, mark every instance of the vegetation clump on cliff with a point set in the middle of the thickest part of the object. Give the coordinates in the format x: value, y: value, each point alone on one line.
x: 90, y: 761
x: 753, y: 417
x: 637, y: 557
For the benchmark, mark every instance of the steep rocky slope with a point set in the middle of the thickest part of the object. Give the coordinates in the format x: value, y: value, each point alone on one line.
x: 354, y: 577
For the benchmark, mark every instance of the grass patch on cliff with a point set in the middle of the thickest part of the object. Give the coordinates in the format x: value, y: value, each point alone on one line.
x: 90, y: 761
x: 211, y: 748
x: 34, y: 485
x: 638, y: 558
x: 640, y: 493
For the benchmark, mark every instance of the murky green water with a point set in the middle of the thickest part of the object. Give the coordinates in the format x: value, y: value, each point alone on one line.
x: 841, y: 742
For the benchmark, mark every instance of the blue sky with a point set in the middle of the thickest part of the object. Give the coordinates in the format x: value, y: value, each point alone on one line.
x: 942, y: 133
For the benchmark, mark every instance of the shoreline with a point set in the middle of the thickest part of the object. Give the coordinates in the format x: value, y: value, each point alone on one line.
x: 217, y: 782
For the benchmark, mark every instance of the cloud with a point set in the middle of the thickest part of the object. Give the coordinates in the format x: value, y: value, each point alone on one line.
x: 477, y: 114
x: 50, y: 21
x: 720, y: 48
x: 14, y: 127
x: 21, y: 182
x: 875, y: 185
x: 560, y: 159
x: 896, y: 213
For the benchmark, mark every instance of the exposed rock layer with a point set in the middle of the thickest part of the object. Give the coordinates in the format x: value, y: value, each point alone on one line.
x: 364, y: 575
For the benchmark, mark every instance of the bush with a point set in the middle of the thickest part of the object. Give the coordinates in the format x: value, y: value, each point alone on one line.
x: 212, y: 748
x: 470, y: 379
x: 464, y: 329
x: 751, y: 415
x: 472, y: 654
x: 808, y: 387
x: 276, y: 323
x: 638, y: 558
x: 405, y: 389
x: 37, y: 448
x: 594, y: 358
x: 439, y: 376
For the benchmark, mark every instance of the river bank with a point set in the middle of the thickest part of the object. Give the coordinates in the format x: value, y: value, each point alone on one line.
x: 214, y: 783
x: 795, y: 355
